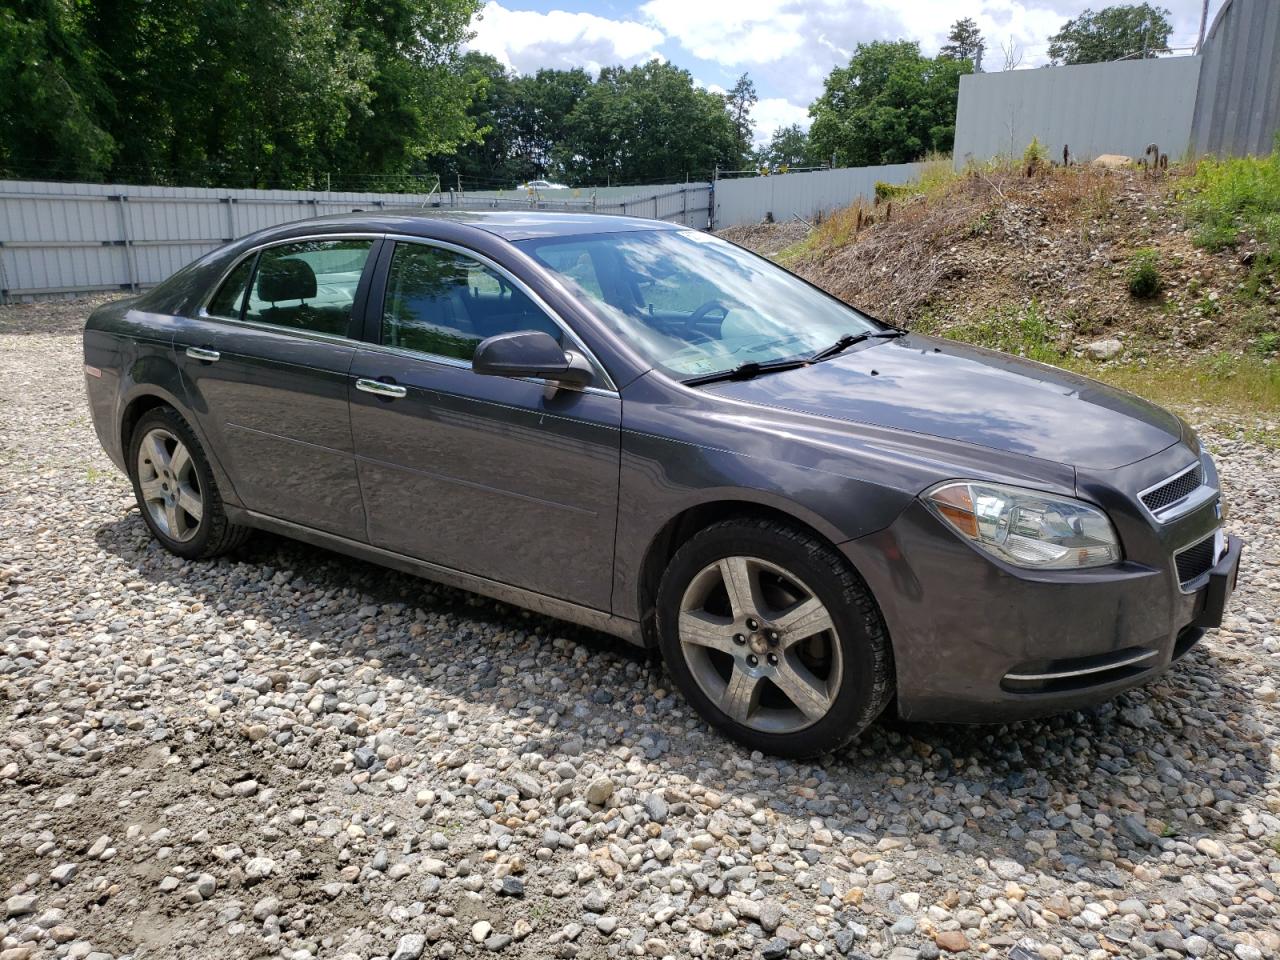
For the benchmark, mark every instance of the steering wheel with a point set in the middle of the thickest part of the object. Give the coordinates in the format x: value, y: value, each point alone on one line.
x: 706, y: 309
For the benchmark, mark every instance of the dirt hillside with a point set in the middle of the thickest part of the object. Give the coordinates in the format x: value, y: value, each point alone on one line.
x: 1050, y: 253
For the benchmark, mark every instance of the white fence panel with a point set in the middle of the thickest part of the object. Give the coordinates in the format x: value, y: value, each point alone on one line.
x: 806, y: 195
x: 1093, y: 108
x: 62, y: 238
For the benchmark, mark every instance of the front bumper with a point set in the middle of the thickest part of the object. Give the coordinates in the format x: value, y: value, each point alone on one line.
x: 977, y: 641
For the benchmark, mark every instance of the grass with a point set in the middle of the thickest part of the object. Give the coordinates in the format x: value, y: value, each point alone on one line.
x: 1228, y: 381
x: 1236, y: 200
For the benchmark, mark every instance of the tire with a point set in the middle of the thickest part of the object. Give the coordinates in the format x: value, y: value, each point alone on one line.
x: 169, y: 487
x: 800, y: 664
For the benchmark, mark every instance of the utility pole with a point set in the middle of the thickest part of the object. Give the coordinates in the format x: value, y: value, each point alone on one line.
x: 977, y: 67
x: 1204, y: 18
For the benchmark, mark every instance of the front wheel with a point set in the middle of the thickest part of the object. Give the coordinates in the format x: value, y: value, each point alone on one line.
x: 773, y: 637
x: 175, y: 488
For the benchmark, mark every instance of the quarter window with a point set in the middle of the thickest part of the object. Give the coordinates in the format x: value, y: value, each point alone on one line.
x: 309, y: 285
x: 444, y: 303
x: 229, y: 300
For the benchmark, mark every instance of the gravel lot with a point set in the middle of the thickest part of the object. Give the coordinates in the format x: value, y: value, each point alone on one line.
x: 293, y: 754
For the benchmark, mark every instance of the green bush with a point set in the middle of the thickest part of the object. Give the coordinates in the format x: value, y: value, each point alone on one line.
x: 1238, y: 199
x: 891, y: 191
x: 1143, y: 275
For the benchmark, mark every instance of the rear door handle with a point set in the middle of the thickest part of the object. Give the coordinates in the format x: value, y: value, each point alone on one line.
x: 377, y: 387
x: 203, y: 353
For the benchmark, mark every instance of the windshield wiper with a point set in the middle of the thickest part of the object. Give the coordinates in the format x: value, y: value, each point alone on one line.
x: 745, y: 371
x: 849, y: 339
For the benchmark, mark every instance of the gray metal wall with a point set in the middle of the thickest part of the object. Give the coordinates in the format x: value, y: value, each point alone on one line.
x: 1238, y: 103
x: 1095, y: 108
x: 64, y: 238
x: 805, y: 195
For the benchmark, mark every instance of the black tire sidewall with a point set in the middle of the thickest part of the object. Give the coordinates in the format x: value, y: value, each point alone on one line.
x: 197, y: 546
x: 857, y: 620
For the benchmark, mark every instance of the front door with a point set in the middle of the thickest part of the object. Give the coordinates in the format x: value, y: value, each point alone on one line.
x: 266, y: 370
x: 506, y: 479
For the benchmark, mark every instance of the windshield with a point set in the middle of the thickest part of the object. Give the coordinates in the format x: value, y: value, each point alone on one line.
x: 693, y: 304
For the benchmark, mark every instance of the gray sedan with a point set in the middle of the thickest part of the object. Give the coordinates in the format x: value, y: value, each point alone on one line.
x: 649, y: 431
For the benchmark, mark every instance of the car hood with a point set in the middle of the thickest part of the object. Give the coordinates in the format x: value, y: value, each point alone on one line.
x: 945, y: 389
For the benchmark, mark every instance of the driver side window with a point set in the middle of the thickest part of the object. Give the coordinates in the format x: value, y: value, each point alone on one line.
x: 443, y: 303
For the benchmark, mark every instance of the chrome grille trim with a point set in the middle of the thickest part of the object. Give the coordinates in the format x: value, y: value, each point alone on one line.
x: 1082, y: 671
x: 1193, y: 561
x: 1177, y: 495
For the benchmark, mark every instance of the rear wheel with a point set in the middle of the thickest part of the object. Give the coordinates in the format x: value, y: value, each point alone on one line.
x: 773, y: 638
x: 175, y: 488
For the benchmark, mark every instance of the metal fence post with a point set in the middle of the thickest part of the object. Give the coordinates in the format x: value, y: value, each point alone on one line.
x: 127, y: 241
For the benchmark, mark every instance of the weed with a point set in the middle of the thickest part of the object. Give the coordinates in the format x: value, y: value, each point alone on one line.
x: 1035, y: 159
x: 1023, y: 331
x: 1267, y: 343
x: 1143, y: 274
x: 1237, y: 200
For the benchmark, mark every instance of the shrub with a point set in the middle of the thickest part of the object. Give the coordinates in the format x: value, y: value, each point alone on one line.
x: 889, y: 191
x: 1143, y: 276
x: 1237, y: 199
x: 1035, y: 159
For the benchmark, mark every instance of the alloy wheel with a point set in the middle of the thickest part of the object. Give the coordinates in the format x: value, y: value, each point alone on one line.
x: 760, y: 644
x: 170, y: 485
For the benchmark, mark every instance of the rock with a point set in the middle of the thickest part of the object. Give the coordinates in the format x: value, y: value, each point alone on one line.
x: 480, y: 930
x: 63, y: 874
x: 655, y: 805
x: 259, y: 868
x: 775, y: 949
x: 1105, y: 349
x: 770, y: 915
x: 512, y: 887
x: 20, y: 905
x: 953, y: 941
x: 410, y: 947
x: 600, y: 790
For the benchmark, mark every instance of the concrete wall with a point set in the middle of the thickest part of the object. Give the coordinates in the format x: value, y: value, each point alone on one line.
x: 1238, y: 104
x: 1094, y: 108
x: 805, y: 195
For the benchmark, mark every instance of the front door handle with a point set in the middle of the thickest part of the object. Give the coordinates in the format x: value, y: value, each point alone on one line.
x: 203, y: 353
x: 377, y: 387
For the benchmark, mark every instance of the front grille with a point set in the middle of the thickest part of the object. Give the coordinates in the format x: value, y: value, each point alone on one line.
x: 1174, y: 490
x: 1195, y: 561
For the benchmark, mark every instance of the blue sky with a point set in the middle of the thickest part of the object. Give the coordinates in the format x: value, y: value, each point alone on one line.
x: 788, y: 46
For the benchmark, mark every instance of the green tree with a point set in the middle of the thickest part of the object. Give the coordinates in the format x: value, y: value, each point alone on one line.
x: 964, y: 42
x: 52, y: 104
x: 233, y: 92
x: 647, y: 122
x: 1113, y: 33
x: 741, y: 99
x: 891, y: 104
x: 788, y: 147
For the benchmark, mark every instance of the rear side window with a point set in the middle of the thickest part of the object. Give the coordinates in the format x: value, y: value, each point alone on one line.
x: 229, y: 300
x: 444, y: 303
x: 309, y: 285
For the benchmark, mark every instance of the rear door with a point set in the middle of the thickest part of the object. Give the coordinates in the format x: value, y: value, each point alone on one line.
x: 266, y: 369
x: 503, y: 478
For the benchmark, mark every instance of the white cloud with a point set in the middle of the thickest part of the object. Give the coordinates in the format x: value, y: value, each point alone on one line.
x: 730, y: 32
x: 525, y: 40
x: 770, y: 113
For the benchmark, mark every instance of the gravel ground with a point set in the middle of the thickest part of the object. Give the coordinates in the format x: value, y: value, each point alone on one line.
x: 293, y: 754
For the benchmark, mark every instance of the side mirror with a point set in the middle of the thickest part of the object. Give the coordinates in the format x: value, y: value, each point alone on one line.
x: 531, y: 353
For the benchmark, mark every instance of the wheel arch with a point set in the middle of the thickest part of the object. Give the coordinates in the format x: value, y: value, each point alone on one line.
x: 684, y: 525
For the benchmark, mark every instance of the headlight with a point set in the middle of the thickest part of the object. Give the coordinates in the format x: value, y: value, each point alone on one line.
x: 1025, y: 527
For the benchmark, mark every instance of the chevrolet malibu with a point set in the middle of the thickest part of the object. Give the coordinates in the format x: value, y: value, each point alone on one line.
x: 646, y: 430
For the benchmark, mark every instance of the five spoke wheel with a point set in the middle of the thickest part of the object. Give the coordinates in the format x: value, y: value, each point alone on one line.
x: 170, y: 484
x: 760, y: 644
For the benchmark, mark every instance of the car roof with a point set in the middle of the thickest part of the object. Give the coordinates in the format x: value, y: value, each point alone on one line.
x: 507, y: 224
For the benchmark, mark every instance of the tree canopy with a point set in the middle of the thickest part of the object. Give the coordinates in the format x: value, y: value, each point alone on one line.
x: 788, y: 147
x: 964, y: 42
x: 231, y: 92
x: 1113, y: 33
x: 891, y: 104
